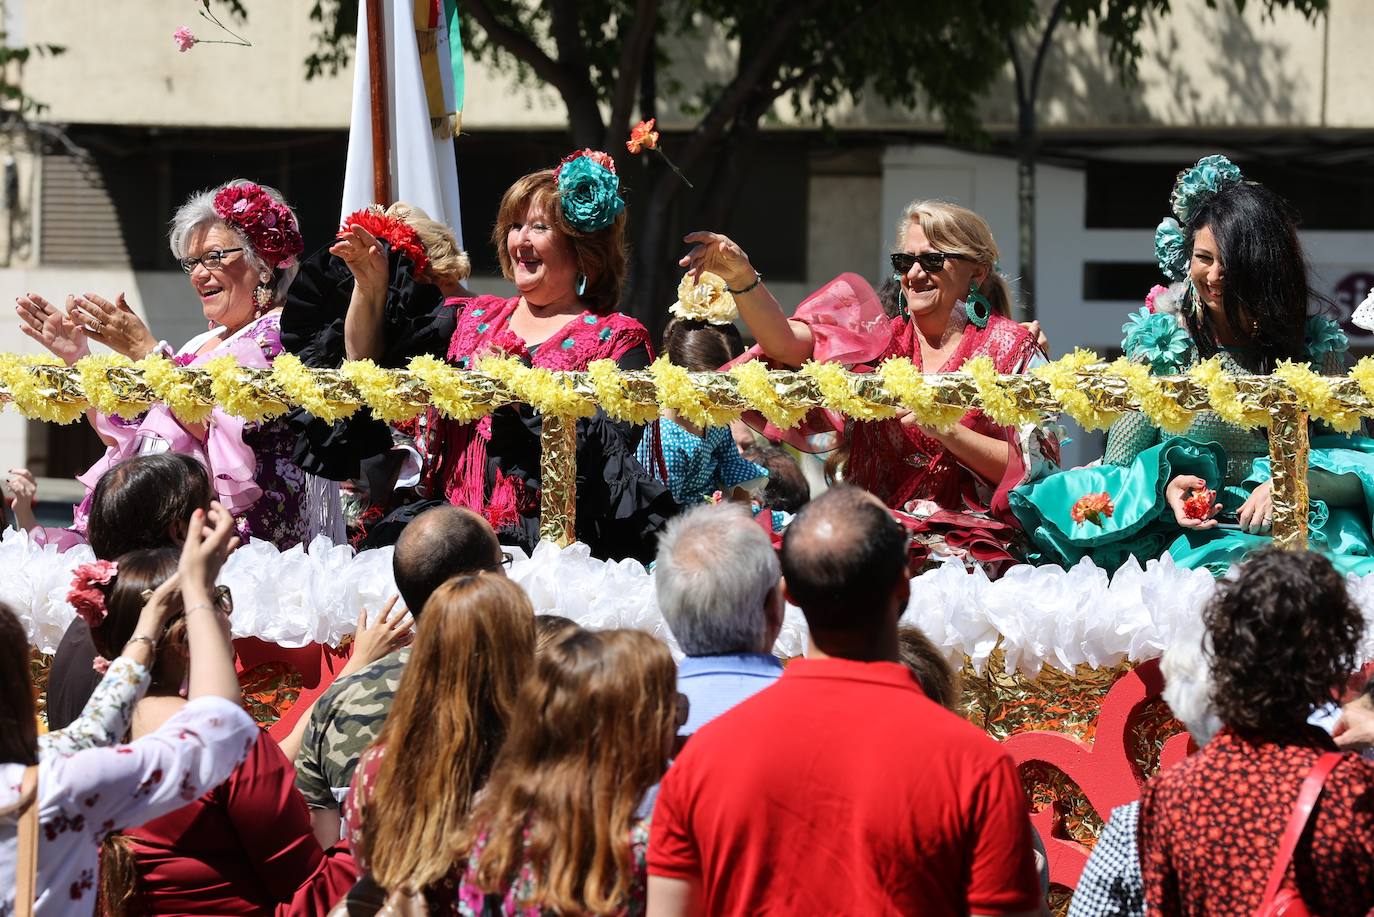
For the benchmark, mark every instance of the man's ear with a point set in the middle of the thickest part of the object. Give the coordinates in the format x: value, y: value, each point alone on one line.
x: 786, y: 593
x: 775, y: 606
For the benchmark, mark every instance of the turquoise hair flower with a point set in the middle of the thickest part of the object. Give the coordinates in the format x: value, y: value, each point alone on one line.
x: 1158, y: 340
x: 589, y: 193
x: 1209, y: 176
x: 1171, y: 249
x: 1324, y: 335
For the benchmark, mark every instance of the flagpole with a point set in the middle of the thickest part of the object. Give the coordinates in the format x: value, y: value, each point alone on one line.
x: 376, y: 69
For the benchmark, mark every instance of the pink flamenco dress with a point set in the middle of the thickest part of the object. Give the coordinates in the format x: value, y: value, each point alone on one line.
x: 271, y: 498
x: 492, y: 466
x: 948, y: 508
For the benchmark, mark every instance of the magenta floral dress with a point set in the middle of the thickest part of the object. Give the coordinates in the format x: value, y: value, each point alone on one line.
x: 491, y: 466
x: 250, y: 463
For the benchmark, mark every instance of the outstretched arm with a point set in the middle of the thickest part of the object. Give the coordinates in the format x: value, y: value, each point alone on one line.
x: 783, y: 340
x: 360, y: 250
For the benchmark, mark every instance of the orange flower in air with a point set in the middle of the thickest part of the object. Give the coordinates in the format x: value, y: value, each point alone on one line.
x: 643, y: 137
x: 1093, y: 508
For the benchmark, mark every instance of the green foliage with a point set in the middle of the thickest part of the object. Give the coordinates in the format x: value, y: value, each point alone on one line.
x: 13, y: 99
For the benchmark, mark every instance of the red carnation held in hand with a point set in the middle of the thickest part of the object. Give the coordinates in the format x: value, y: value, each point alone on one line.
x: 1093, y: 508
x: 1199, y: 505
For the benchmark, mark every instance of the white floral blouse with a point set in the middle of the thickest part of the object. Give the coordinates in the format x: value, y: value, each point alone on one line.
x: 105, y: 718
x: 85, y: 796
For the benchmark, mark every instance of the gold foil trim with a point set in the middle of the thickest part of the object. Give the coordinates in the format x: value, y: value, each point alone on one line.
x: 558, y: 480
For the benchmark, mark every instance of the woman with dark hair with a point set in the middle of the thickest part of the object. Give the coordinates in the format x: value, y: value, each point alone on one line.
x: 698, y: 462
x: 1284, y: 638
x: 560, y: 238
x: 556, y: 831
x: 244, y: 847
x: 1241, y: 298
x: 82, y: 797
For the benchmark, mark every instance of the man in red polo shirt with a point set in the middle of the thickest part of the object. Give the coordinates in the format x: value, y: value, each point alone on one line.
x: 842, y: 789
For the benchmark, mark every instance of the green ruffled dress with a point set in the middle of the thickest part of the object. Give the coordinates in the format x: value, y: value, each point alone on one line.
x: 1140, y: 461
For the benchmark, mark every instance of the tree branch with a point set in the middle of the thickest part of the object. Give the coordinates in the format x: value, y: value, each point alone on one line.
x: 572, y: 50
x: 632, y: 52
x: 800, y: 78
x: 1017, y: 70
x: 520, y: 45
x: 1056, y: 15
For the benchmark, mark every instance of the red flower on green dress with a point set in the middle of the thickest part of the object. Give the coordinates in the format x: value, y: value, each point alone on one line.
x: 1199, y: 505
x: 1093, y: 508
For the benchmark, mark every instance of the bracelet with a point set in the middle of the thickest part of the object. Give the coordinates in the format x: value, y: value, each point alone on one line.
x: 136, y: 638
x: 191, y: 608
x: 758, y: 279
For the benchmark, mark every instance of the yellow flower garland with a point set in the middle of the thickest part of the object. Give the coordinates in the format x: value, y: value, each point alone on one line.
x: 93, y: 372
x: 905, y: 383
x: 236, y: 395
x: 1317, y: 396
x: 174, y: 388
x: 1163, y: 411
x: 676, y: 392
x: 609, y: 386
x: 541, y: 389
x: 381, y: 389
x: 833, y: 381
x: 449, y: 394
x: 301, y: 386
x: 756, y: 387
x: 1062, y: 376
x: 30, y: 396
x: 1222, y: 394
x: 1000, y: 406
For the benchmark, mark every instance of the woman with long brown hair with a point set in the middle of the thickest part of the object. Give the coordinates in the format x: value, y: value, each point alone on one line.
x: 413, y: 790
x: 556, y: 830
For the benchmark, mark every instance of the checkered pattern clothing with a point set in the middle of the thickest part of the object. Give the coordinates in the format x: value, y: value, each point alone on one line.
x: 1111, y: 884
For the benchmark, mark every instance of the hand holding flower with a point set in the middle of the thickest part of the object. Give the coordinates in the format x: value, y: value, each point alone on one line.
x: 1194, y: 505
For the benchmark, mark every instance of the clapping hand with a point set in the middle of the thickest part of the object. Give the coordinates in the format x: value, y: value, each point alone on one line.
x: 51, y: 327
x: 360, y: 250
x: 210, y: 539
x: 113, y: 324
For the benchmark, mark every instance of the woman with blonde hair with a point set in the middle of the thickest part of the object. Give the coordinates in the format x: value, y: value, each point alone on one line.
x: 950, y: 486
x: 556, y: 830
x: 412, y: 791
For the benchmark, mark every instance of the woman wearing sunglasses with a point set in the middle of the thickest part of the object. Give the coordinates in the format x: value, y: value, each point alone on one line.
x: 950, y: 487
x: 238, y: 245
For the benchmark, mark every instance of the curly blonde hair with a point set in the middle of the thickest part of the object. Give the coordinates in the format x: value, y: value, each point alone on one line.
x: 448, y: 263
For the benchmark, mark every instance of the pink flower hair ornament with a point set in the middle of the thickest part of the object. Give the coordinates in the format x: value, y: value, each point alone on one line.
x: 86, y: 596
x: 265, y: 222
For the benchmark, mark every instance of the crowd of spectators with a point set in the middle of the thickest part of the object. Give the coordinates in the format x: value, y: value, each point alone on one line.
x: 503, y: 762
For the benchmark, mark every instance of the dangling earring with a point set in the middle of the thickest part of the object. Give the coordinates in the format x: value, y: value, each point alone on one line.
x: 581, y: 283
x: 977, y: 307
x: 263, y: 296
x: 1197, y: 300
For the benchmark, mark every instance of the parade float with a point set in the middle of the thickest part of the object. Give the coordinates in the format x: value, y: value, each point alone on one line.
x: 1060, y: 665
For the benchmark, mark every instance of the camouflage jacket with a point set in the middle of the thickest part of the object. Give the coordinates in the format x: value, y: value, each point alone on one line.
x: 345, y: 721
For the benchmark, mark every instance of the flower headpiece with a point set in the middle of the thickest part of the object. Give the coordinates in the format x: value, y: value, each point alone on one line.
x: 589, y: 190
x: 397, y: 233
x: 266, y: 223
x: 1210, y: 175
x: 706, y: 299
x: 86, y: 596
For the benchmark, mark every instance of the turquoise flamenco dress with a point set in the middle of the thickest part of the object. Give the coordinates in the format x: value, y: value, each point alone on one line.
x: 1140, y: 460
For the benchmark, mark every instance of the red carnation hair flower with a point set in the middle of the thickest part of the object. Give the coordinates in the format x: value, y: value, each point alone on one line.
x: 265, y: 222
x: 399, y: 234
x: 596, y: 156
x: 86, y: 596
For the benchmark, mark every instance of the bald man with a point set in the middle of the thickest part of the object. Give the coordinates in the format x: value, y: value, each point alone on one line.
x: 842, y: 788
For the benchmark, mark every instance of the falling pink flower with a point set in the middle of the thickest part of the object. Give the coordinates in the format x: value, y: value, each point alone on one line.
x: 183, y: 38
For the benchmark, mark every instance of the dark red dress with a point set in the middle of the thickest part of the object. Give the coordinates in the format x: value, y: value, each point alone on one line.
x: 246, y: 847
x: 1210, y: 829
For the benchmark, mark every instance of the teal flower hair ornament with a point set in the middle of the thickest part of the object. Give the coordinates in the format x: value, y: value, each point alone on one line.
x: 589, y: 192
x: 1159, y: 340
x: 1322, y: 336
x: 1171, y: 249
x: 1210, y: 175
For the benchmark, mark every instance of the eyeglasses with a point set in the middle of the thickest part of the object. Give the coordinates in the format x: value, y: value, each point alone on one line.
x: 212, y: 260
x: 507, y: 558
x: 930, y: 262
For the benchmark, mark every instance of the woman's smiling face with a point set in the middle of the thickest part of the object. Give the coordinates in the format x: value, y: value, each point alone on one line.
x: 226, y: 293
x: 542, y: 260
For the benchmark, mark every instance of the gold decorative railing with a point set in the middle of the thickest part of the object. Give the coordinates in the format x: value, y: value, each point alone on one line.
x: 1080, y: 385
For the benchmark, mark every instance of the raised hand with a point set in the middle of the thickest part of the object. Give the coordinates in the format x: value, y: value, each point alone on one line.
x: 720, y: 255
x: 22, y: 489
x: 364, y: 256
x: 210, y: 539
x: 51, y: 327
x: 390, y: 630
x: 113, y: 324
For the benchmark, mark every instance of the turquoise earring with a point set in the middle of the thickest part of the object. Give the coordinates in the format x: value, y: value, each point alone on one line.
x: 977, y: 307
x: 581, y: 284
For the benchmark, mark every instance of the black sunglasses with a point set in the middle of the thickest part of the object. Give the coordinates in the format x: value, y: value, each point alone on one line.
x: 930, y: 262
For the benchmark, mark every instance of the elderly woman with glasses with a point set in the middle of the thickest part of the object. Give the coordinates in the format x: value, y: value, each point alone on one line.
x: 238, y: 244
x: 949, y: 487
